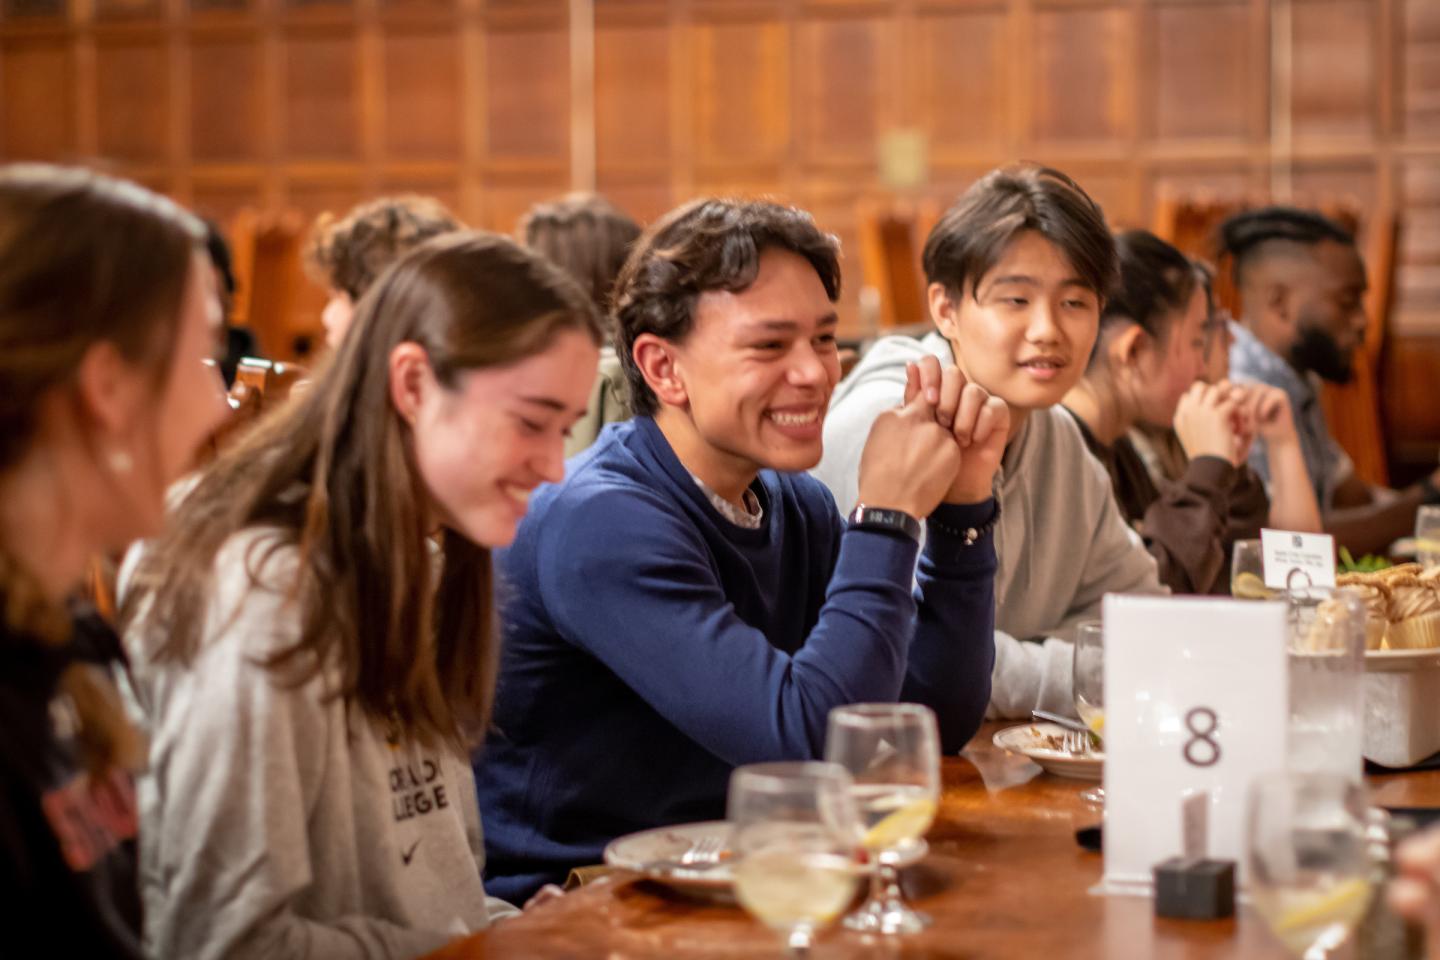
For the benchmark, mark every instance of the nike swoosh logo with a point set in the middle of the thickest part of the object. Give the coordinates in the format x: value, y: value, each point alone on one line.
x: 405, y: 855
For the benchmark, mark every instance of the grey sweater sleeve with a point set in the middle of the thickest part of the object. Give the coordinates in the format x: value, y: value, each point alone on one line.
x: 239, y: 760
x: 1030, y: 676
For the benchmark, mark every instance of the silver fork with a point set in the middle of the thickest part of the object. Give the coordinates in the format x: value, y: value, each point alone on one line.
x: 1074, y: 742
x: 703, y: 852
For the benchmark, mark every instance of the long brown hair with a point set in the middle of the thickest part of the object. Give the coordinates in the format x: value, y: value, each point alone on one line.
x: 84, y: 259
x: 333, y: 475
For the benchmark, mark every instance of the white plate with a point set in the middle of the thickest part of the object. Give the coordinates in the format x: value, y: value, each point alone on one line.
x: 652, y: 853
x: 1401, y: 661
x: 1040, y: 742
x: 641, y: 851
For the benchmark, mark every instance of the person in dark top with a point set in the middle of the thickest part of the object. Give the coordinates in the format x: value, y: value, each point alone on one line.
x: 240, y: 341
x: 107, y: 310
x: 1146, y: 369
x: 688, y: 599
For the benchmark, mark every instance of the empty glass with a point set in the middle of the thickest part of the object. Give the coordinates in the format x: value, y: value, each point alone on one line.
x: 892, y: 751
x: 1309, y: 872
x: 1326, y: 645
x: 1427, y: 536
x: 794, y: 828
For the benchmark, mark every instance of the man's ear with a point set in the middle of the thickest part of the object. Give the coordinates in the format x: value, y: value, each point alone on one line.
x: 1276, y: 297
x: 660, y: 366
x: 411, y: 379
x: 944, y: 311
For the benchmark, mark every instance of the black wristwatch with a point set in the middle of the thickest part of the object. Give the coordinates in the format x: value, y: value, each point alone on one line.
x: 885, y: 520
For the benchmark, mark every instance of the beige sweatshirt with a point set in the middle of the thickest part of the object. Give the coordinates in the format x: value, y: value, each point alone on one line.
x: 277, y: 823
x: 1061, y: 541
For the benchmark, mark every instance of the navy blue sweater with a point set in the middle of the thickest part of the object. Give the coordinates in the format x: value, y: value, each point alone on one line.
x: 651, y: 645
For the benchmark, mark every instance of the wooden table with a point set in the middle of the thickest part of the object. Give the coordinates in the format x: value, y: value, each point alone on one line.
x: 1005, y: 879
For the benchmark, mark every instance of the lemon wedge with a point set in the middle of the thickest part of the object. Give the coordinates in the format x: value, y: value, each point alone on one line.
x: 907, y: 823
x: 1248, y: 586
x: 1343, y: 904
x: 1097, y: 724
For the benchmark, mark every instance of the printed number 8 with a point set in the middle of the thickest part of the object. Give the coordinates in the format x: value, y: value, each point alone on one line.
x: 1201, y: 750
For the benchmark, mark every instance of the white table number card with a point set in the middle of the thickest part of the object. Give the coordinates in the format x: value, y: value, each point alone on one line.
x: 1283, y: 552
x: 1196, y: 699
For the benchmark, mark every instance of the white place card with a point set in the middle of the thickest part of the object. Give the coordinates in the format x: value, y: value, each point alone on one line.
x: 1285, y: 551
x: 1196, y: 703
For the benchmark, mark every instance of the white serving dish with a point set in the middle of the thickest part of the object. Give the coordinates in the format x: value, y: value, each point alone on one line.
x: 1402, y: 706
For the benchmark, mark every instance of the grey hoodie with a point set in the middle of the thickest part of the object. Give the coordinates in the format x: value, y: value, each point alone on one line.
x: 278, y: 823
x: 1061, y: 541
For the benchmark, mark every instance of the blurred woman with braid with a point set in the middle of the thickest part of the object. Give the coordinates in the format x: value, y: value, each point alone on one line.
x: 107, y: 312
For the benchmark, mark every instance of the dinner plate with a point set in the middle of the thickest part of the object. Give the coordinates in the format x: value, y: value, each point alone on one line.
x: 1041, y: 743
x: 1401, y: 661
x: 655, y: 854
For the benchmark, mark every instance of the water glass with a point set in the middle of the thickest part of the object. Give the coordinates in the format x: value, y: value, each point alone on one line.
x: 1089, y: 686
x: 1326, y: 647
x: 1306, y: 849
x: 1427, y: 536
x: 1247, y: 572
x: 892, y: 751
x: 794, y: 826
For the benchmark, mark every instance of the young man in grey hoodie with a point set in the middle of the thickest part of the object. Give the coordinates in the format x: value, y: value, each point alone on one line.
x: 1017, y: 272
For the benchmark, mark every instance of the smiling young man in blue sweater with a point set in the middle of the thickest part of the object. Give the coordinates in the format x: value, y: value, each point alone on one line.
x: 688, y: 599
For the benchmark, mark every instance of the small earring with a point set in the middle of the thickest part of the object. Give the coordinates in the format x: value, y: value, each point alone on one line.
x: 120, y: 461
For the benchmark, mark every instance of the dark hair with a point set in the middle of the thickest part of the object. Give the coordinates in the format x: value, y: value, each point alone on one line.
x: 973, y: 234
x: 219, y: 251
x: 333, y: 475
x: 1156, y: 281
x: 584, y: 235
x: 708, y: 244
x: 1249, y: 236
x: 350, y: 253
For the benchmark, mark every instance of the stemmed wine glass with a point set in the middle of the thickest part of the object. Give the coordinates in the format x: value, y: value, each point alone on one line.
x: 1089, y: 686
x: 793, y: 835
x: 1308, y: 868
x: 892, y: 751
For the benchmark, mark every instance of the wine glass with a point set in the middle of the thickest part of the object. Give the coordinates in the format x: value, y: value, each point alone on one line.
x: 1089, y: 687
x: 793, y: 835
x: 1427, y: 536
x: 892, y: 751
x: 1247, y: 572
x: 1309, y: 871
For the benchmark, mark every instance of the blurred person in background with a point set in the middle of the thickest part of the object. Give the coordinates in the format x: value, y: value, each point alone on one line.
x: 588, y: 237
x: 1302, y: 286
x: 347, y: 254
x: 1147, y: 368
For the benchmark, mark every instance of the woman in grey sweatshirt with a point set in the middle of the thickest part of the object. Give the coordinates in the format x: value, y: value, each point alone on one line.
x: 1017, y: 270
x: 314, y: 645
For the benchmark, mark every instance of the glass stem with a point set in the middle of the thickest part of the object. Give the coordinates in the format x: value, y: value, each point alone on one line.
x: 877, y: 882
x: 800, y: 941
x: 891, y: 880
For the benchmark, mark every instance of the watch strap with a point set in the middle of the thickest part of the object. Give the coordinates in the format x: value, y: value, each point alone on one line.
x: 884, y: 519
